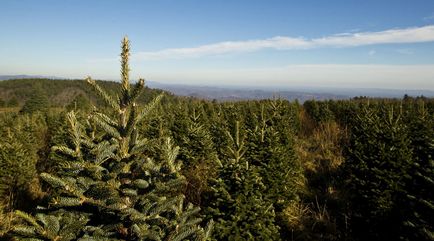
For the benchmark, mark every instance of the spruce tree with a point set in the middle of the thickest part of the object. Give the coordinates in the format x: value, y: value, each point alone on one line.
x: 38, y: 102
x: 80, y: 102
x: 236, y: 202
x: 13, y: 102
x: 197, y: 142
x: 378, y: 159
x: 22, y: 137
x: 2, y: 103
x: 271, y: 149
x: 416, y: 200
x: 106, y: 187
x: 17, y: 169
x: 198, y: 154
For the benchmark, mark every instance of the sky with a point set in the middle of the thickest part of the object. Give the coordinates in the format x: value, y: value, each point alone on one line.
x: 285, y: 44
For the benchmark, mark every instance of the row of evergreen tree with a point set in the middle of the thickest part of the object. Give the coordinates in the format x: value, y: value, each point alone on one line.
x: 186, y: 169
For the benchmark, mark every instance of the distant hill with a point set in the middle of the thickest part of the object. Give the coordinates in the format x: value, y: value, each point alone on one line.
x: 300, y: 93
x: 59, y: 92
x: 23, y: 76
x: 240, y: 93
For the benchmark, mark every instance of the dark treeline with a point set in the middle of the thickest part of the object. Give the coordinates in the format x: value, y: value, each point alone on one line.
x: 359, y: 169
x: 57, y: 93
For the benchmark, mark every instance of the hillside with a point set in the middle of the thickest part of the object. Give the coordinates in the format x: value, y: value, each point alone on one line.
x: 15, y: 92
x: 245, y: 93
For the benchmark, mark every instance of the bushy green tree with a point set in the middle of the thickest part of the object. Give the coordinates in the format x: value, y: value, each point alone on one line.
x: 416, y: 200
x: 196, y: 142
x: 236, y: 201
x: 13, y: 102
x: 22, y: 137
x: 319, y: 111
x: 38, y: 102
x: 378, y: 159
x: 17, y: 170
x: 80, y: 102
x: 270, y: 147
x: 106, y: 187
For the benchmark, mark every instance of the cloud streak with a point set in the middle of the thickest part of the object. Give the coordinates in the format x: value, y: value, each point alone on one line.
x: 427, y: 18
x: 392, y: 36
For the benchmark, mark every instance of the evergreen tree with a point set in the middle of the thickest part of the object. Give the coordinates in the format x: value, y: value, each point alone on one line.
x: 198, y: 154
x: 22, y: 136
x: 236, y: 201
x: 318, y: 111
x: 197, y: 143
x: 80, y: 102
x: 37, y: 102
x: 378, y: 160
x: 416, y: 200
x: 107, y: 189
x: 13, y: 102
x: 2, y: 103
x: 271, y: 149
x: 17, y: 169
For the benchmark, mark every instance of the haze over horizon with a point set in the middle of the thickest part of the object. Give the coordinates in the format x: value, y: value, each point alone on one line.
x: 345, y: 44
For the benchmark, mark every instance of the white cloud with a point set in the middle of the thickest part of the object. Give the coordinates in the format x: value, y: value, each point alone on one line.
x: 405, y: 51
x: 226, y: 47
x: 427, y: 18
x: 392, y: 36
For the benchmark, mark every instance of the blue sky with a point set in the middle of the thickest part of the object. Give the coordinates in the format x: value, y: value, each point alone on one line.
x: 347, y: 43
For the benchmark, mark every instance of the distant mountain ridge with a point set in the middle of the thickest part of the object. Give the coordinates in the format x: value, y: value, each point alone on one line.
x: 231, y: 93
x: 59, y: 92
x: 239, y: 93
x: 300, y: 93
x: 23, y: 76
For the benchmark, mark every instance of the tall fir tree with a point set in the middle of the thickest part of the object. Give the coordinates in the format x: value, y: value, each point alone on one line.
x: 107, y: 188
x: 236, y: 201
x: 416, y: 200
x: 22, y: 137
x: 198, y: 154
x: 271, y: 149
x: 17, y: 170
x: 379, y: 156
x: 38, y: 101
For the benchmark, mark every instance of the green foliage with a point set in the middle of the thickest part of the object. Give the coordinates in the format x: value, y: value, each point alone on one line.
x: 236, y: 201
x: 379, y: 156
x: 197, y: 142
x: 107, y: 187
x: 318, y: 111
x: 272, y: 151
x: 13, y: 102
x: 37, y: 102
x: 61, y: 93
x: 80, y: 102
x: 22, y: 137
x: 416, y: 199
x: 263, y: 170
x: 17, y: 169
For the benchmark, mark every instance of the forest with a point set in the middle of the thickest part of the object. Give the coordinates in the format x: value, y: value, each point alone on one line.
x: 99, y: 160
